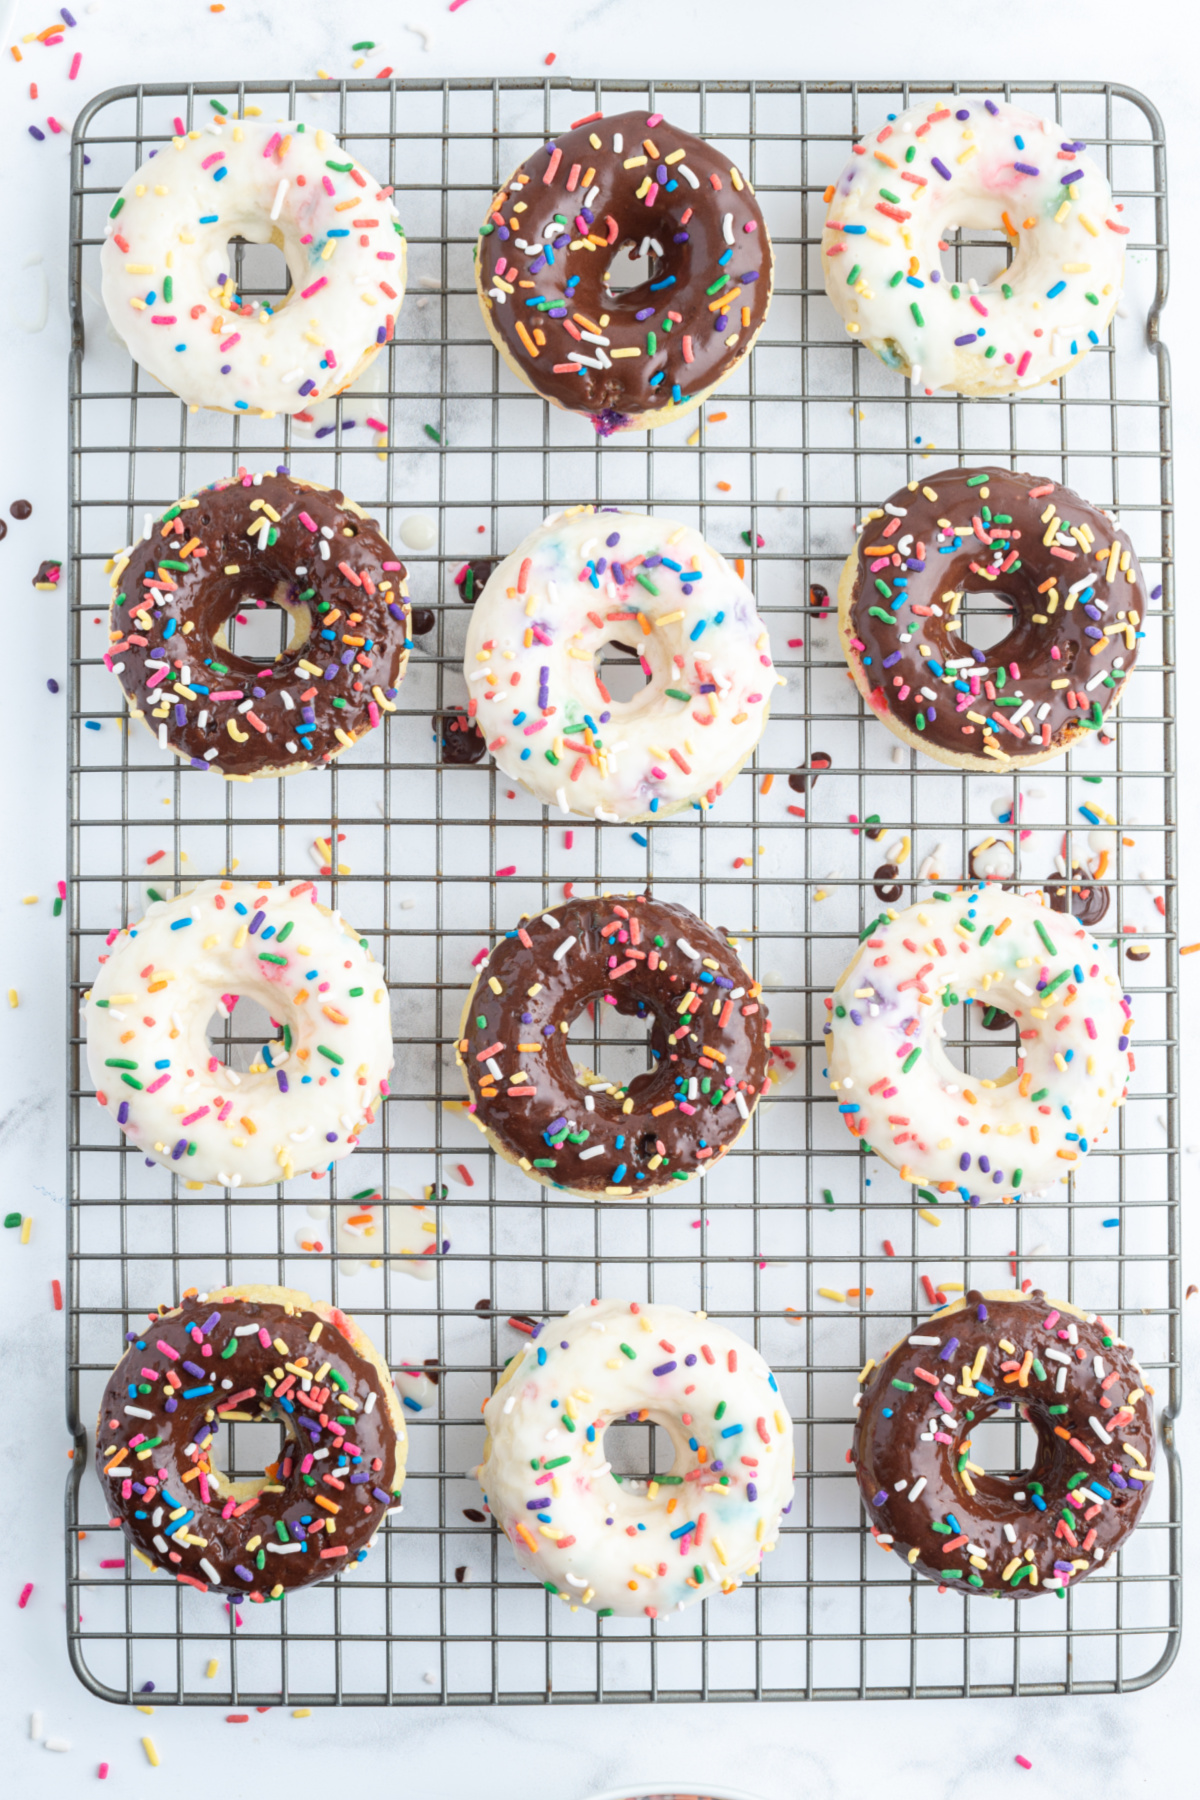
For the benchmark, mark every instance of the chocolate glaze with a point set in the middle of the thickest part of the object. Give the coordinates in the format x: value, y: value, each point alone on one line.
x: 994, y: 1018
x: 800, y: 780
x: 678, y: 294
x: 205, y: 597
x: 421, y: 621
x: 361, y: 1503
x: 891, y: 892
x: 476, y: 576
x: 889, y: 1450
x: 584, y: 975
x: 893, y: 669
x: 1088, y: 900
x: 459, y: 738
x: 21, y: 509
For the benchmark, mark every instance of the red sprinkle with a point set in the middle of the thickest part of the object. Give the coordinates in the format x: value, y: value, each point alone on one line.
x: 510, y: 870
x: 23, y: 1599
x: 56, y: 1290
x: 465, y: 1174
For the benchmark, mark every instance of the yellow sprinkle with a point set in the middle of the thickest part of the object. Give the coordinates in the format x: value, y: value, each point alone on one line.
x: 930, y: 1218
x: 30, y: 900
x: 26, y: 1228
x: 152, y: 1756
x: 13, y: 999
x: 212, y: 1668
x: 302, y: 1712
x: 831, y: 1294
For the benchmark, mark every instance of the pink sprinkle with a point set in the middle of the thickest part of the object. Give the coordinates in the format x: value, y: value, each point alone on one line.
x: 1091, y: 1027
x: 510, y: 870
x: 1023, y: 1760
x: 481, y: 956
x: 328, y: 186
x: 455, y: 4
x: 62, y: 889
x: 322, y: 281
x: 795, y: 643
x: 569, y: 840
x: 161, y: 1081
x: 658, y: 774
x: 271, y: 147
x: 23, y: 1599
x: 162, y: 319
x: 51, y: 121
x: 392, y: 565
x: 653, y: 120
x: 231, y: 341
x: 750, y: 225
x: 102, y: 1772
x: 372, y: 713
x: 166, y: 1349
x: 309, y: 523
x: 977, y: 303
x: 216, y: 157
x: 1025, y: 361
x: 200, y: 1112
x: 180, y: 128
x: 264, y: 1338
x: 376, y: 424
x: 112, y: 1562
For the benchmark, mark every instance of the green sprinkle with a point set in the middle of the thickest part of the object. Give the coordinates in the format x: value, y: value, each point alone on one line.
x: 906, y: 1387
x: 1038, y: 1370
x: 341, y: 168
x: 883, y: 588
x: 367, y: 44
x: 877, y: 612
x: 11, y: 1219
x: 717, y: 284
x: 556, y: 1462
x: 720, y: 1412
x: 897, y: 278
x: 604, y: 1612
x: 955, y: 294
x: 698, y: 1573
x: 678, y: 694
x: 229, y: 1349
x: 1045, y: 937
x: 854, y: 274
x: 265, y: 956
x: 1006, y: 290
x: 217, y: 107
x: 545, y: 1162
x: 909, y: 1060
x: 1017, y: 1174
x: 827, y: 1196
x: 1057, y: 1410
x: 331, y: 1054
x: 116, y: 209
x: 977, y: 481
x: 285, y: 932
x: 651, y: 343
x: 119, y: 1062
x: 988, y: 932
x: 974, y: 1580
x: 894, y: 198
x: 915, y: 310
x: 967, y: 925
x: 626, y: 1351
x: 920, y: 721
x: 551, y: 757
x: 431, y: 431
x: 951, y: 1574
x: 647, y: 584
x: 1093, y: 298
x: 943, y: 1530
x: 569, y: 1422
x: 924, y: 1194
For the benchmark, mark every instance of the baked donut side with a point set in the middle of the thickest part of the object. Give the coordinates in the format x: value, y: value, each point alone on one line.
x: 1078, y: 599
x: 248, y: 542
x: 898, y: 1090
x: 978, y: 164
x: 644, y: 357
x: 588, y: 578
x: 613, y: 1544
x: 563, y: 1125
x: 251, y: 1354
x: 1001, y: 1533
x: 165, y: 266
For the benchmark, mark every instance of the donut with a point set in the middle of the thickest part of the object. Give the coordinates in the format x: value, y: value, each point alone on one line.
x: 250, y: 541
x: 710, y: 1039
x: 632, y: 183
x: 1078, y: 602
x: 1043, y: 1361
x: 309, y: 1094
x: 165, y: 266
x: 903, y: 1098
x: 587, y: 578
x: 251, y: 1355
x: 637, y: 1549
x: 982, y: 165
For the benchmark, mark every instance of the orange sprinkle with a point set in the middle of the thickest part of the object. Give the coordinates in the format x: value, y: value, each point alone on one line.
x: 766, y: 788
x: 724, y: 487
x: 1188, y: 949
x: 715, y: 418
x: 740, y: 566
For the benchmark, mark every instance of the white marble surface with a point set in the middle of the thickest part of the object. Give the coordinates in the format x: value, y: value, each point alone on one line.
x: 1136, y: 1743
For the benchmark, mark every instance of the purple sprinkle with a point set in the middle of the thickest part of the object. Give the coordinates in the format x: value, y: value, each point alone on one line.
x: 689, y: 1362
x: 171, y: 1403
x: 35, y: 133
x: 964, y: 114
x: 194, y: 1369
x: 381, y: 335
x: 941, y: 168
x: 751, y: 1491
x: 1075, y: 175
x: 244, y: 1572
x: 226, y: 368
x: 256, y: 921
x: 1025, y: 169
x: 968, y: 339
x: 752, y: 276
x: 964, y: 1161
x: 981, y: 1312
x: 1156, y: 593
x: 666, y: 1369
x: 179, y: 1149
x: 935, y: 275
x: 381, y: 1496
x: 992, y: 108
x: 52, y: 685
x: 282, y: 1079
x: 890, y: 661
x: 212, y: 1319
x: 985, y: 1165
x: 880, y: 1497
x: 331, y: 1137
x: 123, y: 1112
x: 947, y: 1350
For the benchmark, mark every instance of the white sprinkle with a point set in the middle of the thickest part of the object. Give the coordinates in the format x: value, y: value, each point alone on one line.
x: 35, y: 1726
x: 1104, y: 1436
x: 210, y: 1571
x: 682, y: 942
x: 58, y: 1744
x: 510, y: 1403
x: 918, y: 1488
x: 687, y: 175
x: 1098, y: 1366
x: 932, y: 1342
x: 1010, y: 1534
x: 277, y: 203
x: 1061, y: 1382
x: 618, y: 143
x: 284, y: 1549
x: 494, y: 1067
x: 586, y: 1155
x: 138, y: 1412
x: 564, y: 947
x: 604, y: 1469
x: 577, y: 1580
x: 897, y: 512
x: 727, y: 226
x: 739, y: 1100
x: 549, y: 919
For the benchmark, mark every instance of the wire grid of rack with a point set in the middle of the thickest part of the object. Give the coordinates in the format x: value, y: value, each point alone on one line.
x: 817, y: 1253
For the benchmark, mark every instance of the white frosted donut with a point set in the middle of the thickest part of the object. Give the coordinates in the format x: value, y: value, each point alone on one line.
x: 981, y: 165
x: 306, y: 1098
x: 898, y: 1090
x: 635, y: 1548
x: 586, y: 578
x: 166, y: 264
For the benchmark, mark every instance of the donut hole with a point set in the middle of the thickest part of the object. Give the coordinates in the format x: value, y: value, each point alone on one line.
x: 638, y: 1449
x: 262, y: 630
x: 260, y: 271
x: 984, y: 621
x: 239, y: 1040
x: 624, y: 675
x: 635, y: 264
x: 251, y: 1451
x: 609, y: 1047
x: 974, y: 253
x: 1003, y: 1444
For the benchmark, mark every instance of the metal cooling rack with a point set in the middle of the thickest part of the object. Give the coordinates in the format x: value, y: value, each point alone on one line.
x: 786, y: 1241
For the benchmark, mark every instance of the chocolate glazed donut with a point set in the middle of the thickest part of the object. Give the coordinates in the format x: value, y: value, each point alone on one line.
x: 1078, y: 602
x: 709, y: 1038
x: 315, y: 554
x: 638, y: 358
x: 251, y: 1353
x: 923, y: 1483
